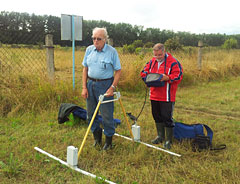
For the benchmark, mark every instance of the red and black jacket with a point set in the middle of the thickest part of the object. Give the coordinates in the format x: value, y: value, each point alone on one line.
x: 173, y: 69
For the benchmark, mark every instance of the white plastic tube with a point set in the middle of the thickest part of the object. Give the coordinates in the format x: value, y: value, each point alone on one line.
x: 149, y: 145
x: 74, y: 168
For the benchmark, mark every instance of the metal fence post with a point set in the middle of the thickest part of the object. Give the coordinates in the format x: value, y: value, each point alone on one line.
x: 200, y: 45
x: 50, y: 56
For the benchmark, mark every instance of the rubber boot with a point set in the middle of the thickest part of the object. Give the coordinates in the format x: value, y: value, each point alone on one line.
x: 97, y: 134
x: 169, y: 137
x: 160, y: 133
x: 108, y: 143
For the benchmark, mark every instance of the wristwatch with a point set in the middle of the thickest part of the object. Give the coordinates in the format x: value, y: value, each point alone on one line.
x: 113, y: 87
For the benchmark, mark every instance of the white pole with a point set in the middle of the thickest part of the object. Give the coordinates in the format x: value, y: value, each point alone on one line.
x: 74, y: 168
x: 149, y: 145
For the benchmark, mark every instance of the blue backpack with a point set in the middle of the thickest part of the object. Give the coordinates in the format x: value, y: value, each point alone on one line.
x: 196, y: 133
x: 185, y: 131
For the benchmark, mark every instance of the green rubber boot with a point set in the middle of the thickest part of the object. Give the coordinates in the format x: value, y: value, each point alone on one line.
x: 160, y: 133
x: 97, y: 134
x: 169, y: 137
x: 108, y: 143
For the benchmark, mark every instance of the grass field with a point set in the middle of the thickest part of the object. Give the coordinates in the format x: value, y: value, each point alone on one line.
x: 29, y: 118
x: 128, y: 162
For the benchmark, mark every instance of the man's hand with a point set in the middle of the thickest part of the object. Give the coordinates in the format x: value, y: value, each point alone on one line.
x: 110, y: 92
x: 84, y: 93
x: 165, y: 78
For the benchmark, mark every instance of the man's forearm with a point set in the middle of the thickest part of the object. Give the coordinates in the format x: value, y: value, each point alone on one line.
x: 84, y: 77
x: 116, y: 77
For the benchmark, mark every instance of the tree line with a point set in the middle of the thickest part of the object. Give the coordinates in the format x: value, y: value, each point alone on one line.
x: 24, y: 28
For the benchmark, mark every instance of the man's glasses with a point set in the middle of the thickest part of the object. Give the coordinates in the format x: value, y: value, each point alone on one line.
x: 95, y: 38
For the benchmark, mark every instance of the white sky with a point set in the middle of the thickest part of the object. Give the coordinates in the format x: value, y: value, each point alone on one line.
x: 202, y: 16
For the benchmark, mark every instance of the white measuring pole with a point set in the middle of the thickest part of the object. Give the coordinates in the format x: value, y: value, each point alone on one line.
x: 149, y: 145
x: 74, y: 168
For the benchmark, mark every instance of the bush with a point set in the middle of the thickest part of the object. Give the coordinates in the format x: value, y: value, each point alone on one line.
x: 173, y: 44
x: 230, y: 44
x: 149, y: 45
x: 130, y: 49
x: 138, y: 50
x: 125, y: 48
x: 137, y: 43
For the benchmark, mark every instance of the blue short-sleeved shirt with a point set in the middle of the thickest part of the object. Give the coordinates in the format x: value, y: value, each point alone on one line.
x: 101, y: 64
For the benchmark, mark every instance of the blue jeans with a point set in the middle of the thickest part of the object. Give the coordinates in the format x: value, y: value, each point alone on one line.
x: 95, y: 89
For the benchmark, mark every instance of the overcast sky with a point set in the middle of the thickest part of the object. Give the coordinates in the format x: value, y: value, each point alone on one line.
x: 203, y: 16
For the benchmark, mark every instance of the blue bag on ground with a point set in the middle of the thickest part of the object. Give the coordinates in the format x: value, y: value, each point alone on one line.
x: 67, y: 108
x: 197, y: 134
x: 185, y: 131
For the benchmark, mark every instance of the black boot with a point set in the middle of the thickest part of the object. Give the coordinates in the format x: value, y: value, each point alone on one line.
x: 108, y: 143
x: 97, y: 134
x: 160, y: 133
x: 169, y: 137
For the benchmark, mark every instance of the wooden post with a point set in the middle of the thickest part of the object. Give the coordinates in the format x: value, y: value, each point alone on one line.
x: 50, y: 56
x: 200, y: 45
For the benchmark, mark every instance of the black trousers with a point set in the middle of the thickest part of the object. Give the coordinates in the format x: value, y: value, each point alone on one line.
x: 162, y: 112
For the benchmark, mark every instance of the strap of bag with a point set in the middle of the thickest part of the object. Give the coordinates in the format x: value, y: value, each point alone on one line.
x: 209, y: 132
x: 218, y: 147
x: 208, y: 129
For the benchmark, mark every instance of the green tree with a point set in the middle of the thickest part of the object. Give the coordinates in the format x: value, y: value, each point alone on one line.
x: 173, y: 44
x: 137, y: 43
x: 230, y: 44
x: 148, y: 45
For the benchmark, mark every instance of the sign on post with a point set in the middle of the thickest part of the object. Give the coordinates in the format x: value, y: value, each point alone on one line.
x: 71, y: 29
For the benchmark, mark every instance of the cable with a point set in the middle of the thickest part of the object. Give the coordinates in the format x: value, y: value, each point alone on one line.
x: 143, y: 104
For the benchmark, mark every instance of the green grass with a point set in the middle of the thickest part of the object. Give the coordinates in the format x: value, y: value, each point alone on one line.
x: 28, y: 118
x: 213, y: 103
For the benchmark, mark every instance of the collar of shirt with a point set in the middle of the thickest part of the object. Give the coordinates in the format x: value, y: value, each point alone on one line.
x: 160, y: 62
x: 104, y: 48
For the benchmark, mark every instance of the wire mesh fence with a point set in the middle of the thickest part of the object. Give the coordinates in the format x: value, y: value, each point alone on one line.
x: 22, y: 58
x: 26, y: 54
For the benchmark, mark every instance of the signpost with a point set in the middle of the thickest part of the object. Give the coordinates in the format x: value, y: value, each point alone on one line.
x: 71, y: 29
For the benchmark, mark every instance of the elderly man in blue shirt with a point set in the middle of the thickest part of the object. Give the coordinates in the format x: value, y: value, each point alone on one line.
x: 101, y: 73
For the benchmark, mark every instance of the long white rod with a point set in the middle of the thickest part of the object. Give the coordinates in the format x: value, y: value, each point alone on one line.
x: 149, y: 145
x: 74, y: 168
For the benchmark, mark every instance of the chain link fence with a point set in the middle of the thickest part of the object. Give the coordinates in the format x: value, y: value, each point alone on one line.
x: 31, y: 58
x: 17, y: 59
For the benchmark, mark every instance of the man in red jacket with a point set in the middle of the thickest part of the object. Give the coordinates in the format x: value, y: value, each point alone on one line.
x: 163, y: 98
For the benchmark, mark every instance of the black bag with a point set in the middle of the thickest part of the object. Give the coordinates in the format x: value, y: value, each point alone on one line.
x: 154, y: 80
x: 201, y: 142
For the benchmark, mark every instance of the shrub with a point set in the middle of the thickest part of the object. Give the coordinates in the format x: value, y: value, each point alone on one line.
x: 173, y: 44
x: 131, y: 48
x: 230, y: 44
x: 125, y: 48
x: 137, y: 43
x: 149, y: 45
x: 138, y: 50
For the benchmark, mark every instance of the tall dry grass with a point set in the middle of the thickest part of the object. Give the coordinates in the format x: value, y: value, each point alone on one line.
x: 217, y: 64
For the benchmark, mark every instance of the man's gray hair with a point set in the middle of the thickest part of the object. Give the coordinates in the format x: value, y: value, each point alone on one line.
x: 158, y: 46
x: 103, y: 29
